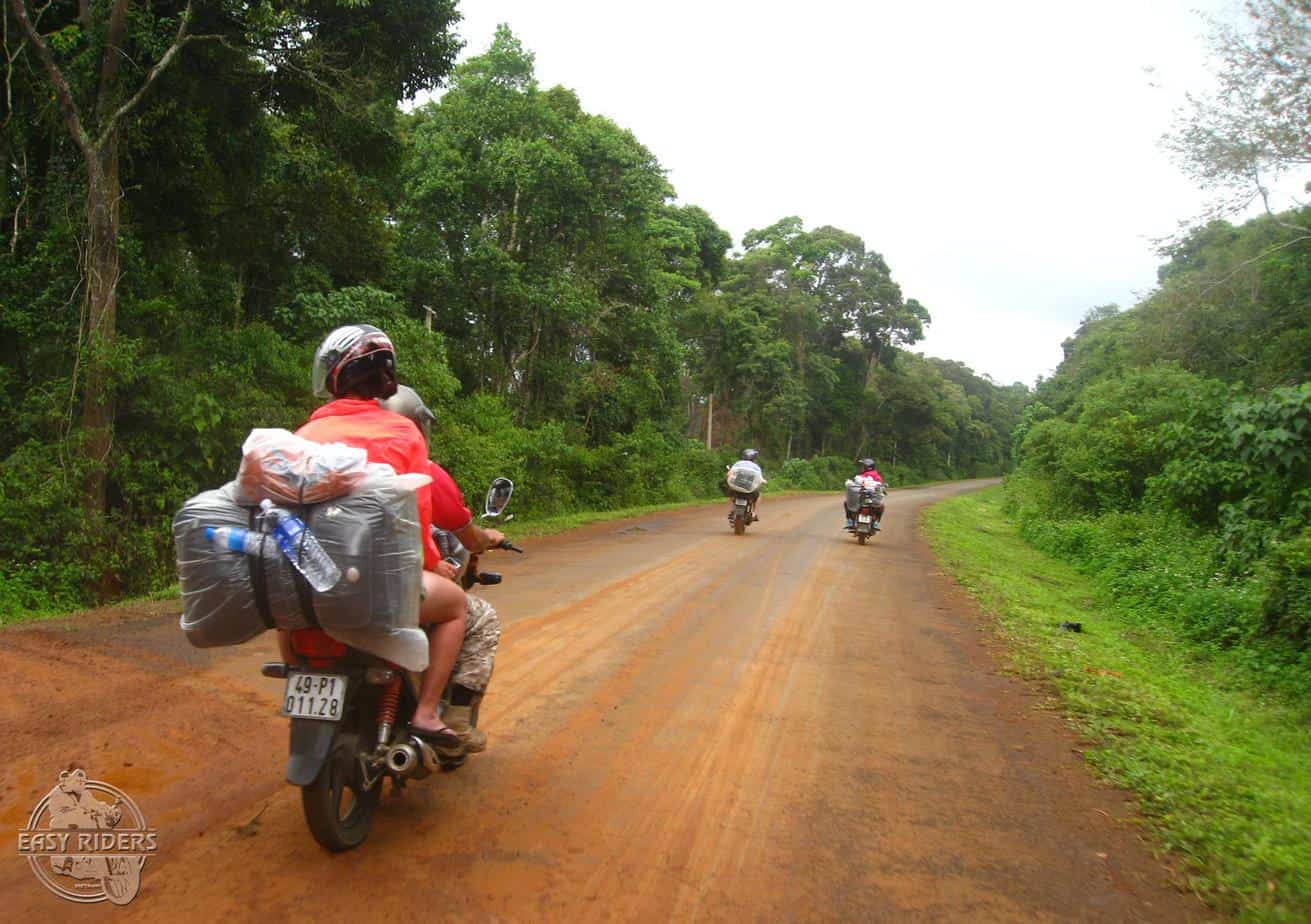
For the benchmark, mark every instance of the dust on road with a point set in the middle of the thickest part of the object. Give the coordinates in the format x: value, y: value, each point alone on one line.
x: 684, y: 725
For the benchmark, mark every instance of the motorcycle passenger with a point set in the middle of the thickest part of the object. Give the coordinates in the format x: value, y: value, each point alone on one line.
x: 355, y: 366
x: 868, y: 477
x: 482, y: 632
x: 748, y: 461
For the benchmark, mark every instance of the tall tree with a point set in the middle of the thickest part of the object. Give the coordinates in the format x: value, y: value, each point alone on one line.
x: 1256, y: 124
x: 91, y: 54
x: 544, y: 240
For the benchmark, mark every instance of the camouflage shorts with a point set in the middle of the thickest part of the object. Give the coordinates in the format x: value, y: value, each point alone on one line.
x: 482, y: 636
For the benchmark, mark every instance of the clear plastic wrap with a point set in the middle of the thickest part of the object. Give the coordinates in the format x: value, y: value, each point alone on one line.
x: 289, y: 469
x: 745, y: 477
x: 373, y: 537
x: 853, y: 495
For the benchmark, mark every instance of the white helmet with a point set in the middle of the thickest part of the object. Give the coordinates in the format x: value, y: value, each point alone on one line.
x: 349, y: 356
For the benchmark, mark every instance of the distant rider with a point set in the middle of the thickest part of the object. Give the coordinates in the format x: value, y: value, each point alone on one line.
x: 868, y: 477
x: 748, y: 461
x: 482, y: 625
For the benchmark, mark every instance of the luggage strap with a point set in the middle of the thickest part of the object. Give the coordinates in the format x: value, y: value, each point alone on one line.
x: 258, y: 582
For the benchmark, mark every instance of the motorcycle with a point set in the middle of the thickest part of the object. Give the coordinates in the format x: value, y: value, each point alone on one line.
x: 743, y: 490
x: 349, y: 713
x: 119, y: 876
x: 869, y: 511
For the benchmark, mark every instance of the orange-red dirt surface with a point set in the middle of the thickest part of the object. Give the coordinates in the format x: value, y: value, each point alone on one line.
x: 684, y: 725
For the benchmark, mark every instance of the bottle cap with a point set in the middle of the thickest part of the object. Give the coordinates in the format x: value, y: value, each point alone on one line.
x: 209, y: 533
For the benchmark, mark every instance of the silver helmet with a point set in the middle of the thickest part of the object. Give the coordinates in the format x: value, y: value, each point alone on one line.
x: 407, y: 403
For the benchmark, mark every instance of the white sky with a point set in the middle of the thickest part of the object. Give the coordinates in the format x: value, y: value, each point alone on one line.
x: 1002, y: 157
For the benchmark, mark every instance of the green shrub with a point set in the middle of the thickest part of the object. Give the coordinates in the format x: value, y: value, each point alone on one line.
x: 1286, y: 585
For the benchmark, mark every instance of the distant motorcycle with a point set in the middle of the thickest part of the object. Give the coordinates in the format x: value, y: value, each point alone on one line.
x: 744, y: 482
x: 868, y: 512
x: 349, y: 713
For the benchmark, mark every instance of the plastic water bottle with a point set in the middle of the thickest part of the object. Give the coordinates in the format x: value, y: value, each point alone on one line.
x: 301, y: 548
x: 236, y: 539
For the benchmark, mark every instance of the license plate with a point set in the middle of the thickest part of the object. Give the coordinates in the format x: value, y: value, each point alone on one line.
x: 314, y: 696
x: 740, y: 502
x: 864, y: 519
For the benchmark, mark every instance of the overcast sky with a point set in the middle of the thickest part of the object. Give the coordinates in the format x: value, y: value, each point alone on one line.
x: 1003, y: 157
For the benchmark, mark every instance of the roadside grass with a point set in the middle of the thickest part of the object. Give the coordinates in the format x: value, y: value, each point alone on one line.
x: 1221, y: 768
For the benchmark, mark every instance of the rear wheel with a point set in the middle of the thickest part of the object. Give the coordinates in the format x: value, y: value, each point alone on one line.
x: 338, y: 809
x: 739, y: 523
x: 861, y: 537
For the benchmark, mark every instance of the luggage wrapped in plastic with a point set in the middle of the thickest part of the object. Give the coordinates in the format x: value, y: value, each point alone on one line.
x: 289, y: 469
x: 853, y: 496
x: 745, y: 477
x: 373, y: 537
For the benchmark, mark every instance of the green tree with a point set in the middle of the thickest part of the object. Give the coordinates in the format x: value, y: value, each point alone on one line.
x: 342, y: 50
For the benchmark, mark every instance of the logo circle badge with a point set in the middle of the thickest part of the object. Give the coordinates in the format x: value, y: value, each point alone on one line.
x: 87, y: 841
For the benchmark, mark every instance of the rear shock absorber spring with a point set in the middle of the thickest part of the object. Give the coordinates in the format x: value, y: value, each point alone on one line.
x: 387, y: 705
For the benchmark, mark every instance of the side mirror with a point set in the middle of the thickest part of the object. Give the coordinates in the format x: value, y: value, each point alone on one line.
x: 498, y: 496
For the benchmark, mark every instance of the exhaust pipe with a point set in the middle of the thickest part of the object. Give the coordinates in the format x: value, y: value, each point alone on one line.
x: 402, y: 759
x: 431, y: 762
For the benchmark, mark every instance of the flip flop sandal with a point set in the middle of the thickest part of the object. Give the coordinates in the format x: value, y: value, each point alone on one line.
x: 445, y: 742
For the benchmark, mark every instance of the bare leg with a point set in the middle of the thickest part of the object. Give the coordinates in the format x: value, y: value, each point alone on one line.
x: 442, y: 614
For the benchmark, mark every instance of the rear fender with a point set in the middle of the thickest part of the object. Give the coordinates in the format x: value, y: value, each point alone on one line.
x: 311, y: 741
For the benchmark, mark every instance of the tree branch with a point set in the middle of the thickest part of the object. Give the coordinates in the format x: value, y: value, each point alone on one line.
x: 181, y: 40
x: 110, y: 56
x: 62, y: 92
x: 1250, y: 260
x: 18, y: 209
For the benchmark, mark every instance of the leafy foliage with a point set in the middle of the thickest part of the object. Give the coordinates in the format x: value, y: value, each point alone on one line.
x: 1171, y: 452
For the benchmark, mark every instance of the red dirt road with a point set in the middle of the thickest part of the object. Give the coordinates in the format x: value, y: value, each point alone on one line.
x: 685, y: 725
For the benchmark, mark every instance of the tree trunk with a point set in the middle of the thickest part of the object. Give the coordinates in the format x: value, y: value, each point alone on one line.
x: 102, y: 269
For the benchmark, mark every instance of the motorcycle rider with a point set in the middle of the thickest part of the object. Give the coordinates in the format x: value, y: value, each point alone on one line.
x: 868, y: 477
x: 355, y: 365
x: 482, y: 631
x: 748, y: 460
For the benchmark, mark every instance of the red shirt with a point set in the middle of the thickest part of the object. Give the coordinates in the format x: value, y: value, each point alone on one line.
x: 448, y: 509
x: 387, y: 437
x: 872, y: 473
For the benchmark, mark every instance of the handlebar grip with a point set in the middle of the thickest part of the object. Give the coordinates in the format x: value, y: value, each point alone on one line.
x: 488, y: 577
x: 509, y: 546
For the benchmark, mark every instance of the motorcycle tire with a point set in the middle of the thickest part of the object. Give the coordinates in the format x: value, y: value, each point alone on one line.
x: 739, y: 524
x: 338, y: 811
x: 123, y: 881
x: 861, y: 537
